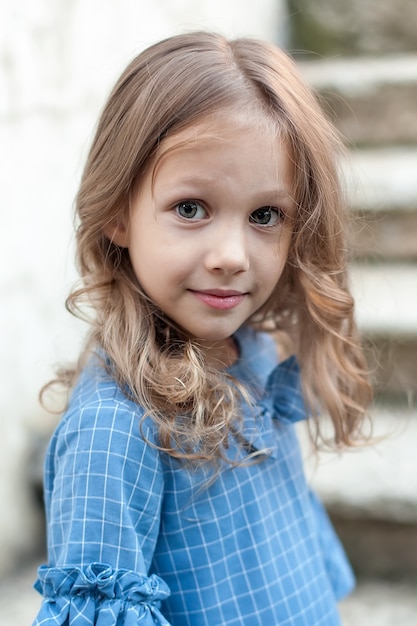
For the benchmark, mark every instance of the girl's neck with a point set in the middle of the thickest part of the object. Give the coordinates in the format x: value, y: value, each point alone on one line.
x: 222, y: 354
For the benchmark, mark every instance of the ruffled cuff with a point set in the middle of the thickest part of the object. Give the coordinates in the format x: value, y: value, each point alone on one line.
x: 99, y: 596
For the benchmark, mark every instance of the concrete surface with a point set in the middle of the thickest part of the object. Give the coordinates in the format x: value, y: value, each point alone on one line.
x: 376, y: 481
x: 333, y: 27
x: 368, y: 186
x: 386, y: 298
x: 381, y: 604
x: 352, y: 75
x: 371, y: 100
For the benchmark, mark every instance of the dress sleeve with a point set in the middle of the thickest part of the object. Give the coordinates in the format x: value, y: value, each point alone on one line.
x: 103, y: 495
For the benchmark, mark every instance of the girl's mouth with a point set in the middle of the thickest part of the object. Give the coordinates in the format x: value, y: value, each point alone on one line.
x: 219, y: 299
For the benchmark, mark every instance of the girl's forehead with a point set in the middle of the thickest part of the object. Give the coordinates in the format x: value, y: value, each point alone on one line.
x: 223, y: 151
x: 219, y: 128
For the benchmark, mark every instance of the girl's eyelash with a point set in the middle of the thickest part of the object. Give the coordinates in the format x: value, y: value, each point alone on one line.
x: 267, y: 216
x: 190, y: 209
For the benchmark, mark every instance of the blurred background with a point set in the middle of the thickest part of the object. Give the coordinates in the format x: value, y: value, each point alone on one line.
x: 58, y: 60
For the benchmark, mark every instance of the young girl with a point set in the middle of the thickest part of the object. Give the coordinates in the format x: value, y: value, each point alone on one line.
x: 209, y: 215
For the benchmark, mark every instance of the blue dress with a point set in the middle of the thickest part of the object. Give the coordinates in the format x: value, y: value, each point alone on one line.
x: 136, y: 537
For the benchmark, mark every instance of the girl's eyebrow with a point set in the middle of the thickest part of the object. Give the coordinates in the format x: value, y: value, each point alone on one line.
x: 274, y: 193
x: 189, y: 181
x: 280, y: 193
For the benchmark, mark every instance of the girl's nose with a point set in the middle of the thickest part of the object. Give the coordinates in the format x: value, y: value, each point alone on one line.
x: 228, y: 251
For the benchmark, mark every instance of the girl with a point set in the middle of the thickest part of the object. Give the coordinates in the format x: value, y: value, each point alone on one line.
x: 209, y: 212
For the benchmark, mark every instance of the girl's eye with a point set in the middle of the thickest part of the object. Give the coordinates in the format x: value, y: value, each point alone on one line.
x: 266, y: 216
x: 190, y: 209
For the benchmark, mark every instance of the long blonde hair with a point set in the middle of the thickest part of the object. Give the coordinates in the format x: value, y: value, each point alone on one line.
x: 168, y: 87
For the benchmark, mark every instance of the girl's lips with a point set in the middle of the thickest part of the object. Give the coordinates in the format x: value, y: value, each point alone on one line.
x: 220, y: 299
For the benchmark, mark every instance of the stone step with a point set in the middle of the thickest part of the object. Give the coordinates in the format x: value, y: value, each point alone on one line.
x: 334, y: 27
x: 380, y: 603
x: 393, y: 365
x: 386, y: 301
x: 378, y: 481
x: 371, y: 100
x: 381, y: 187
x: 386, y: 298
x: 386, y: 236
x: 382, y: 179
x: 371, y: 495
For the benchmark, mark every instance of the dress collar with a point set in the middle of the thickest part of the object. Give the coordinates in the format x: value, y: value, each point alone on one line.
x: 281, y: 403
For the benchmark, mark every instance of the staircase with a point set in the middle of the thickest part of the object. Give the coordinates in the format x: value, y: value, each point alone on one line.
x: 371, y: 493
x: 381, y: 181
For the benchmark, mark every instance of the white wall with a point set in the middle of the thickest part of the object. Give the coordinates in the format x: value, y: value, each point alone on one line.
x: 58, y: 59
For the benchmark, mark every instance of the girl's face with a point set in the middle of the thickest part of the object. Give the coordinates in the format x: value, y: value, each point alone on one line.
x: 210, y: 226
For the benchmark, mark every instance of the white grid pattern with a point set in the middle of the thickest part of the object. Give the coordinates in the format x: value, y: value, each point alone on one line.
x: 254, y: 547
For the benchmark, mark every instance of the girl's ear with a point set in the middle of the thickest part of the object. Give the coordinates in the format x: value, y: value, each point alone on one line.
x: 118, y: 232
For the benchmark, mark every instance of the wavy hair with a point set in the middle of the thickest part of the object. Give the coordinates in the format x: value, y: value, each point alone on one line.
x: 169, y: 86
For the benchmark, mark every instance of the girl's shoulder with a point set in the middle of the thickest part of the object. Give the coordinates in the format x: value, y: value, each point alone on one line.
x: 98, y: 405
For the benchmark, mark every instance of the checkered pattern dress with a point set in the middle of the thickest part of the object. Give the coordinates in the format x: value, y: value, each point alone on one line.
x: 137, y: 538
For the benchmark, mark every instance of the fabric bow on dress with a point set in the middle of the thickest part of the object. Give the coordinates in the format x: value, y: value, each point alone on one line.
x: 280, y: 404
